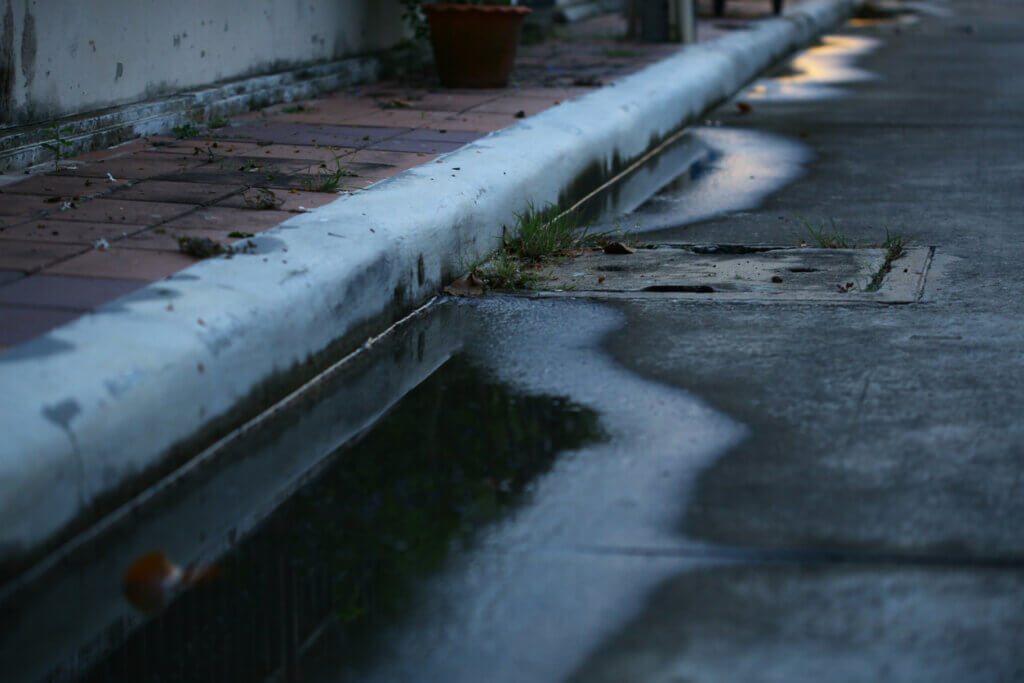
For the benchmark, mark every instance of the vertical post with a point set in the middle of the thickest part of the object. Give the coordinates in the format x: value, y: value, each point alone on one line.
x: 682, y: 21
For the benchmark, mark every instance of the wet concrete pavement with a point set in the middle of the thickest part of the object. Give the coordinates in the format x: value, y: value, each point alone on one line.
x: 884, y: 448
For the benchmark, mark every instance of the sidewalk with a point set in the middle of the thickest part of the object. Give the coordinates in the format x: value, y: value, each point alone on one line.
x: 108, y: 223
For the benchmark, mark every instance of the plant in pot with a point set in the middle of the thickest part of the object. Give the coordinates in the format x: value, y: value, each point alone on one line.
x: 474, y: 42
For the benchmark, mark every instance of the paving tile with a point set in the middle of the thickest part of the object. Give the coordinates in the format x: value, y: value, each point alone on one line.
x: 68, y: 232
x: 28, y: 256
x: 137, y: 166
x: 126, y: 211
x: 445, y: 100
x: 326, y: 111
x: 401, y: 118
x: 8, y: 276
x: 423, y: 146
x: 167, y: 239
x: 129, y: 264
x: 400, y: 161
x: 16, y: 208
x: 226, y: 152
x: 558, y: 93
x: 290, y: 201
x: 518, y: 103
x: 309, y: 134
x: 475, y: 121
x: 261, y: 165
x: 442, y: 135
x: 18, y: 324
x: 176, y: 191
x: 229, y: 218
x: 81, y: 293
x: 64, y: 185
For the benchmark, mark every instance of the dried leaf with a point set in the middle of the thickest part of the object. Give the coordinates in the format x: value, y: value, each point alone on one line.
x: 618, y: 248
x: 471, y: 285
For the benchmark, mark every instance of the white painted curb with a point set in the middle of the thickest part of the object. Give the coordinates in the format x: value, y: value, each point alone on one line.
x: 91, y: 405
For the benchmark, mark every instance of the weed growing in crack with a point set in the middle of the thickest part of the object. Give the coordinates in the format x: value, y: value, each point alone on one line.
x: 895, y: 246
x: 829, y: 240
x: 185, y: 130
x: 328, y: 180
x: 539, y: 236
x: 57, y: 143
x: 543, y: 234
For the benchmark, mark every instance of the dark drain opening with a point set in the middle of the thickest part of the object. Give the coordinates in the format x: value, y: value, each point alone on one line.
x: 692, y: 289
x: 803, y: 270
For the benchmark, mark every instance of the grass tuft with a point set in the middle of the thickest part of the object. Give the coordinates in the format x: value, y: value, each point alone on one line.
x: 829, y: 240
x: 328, y: 180
x: 543, y: 233
x: 895, y: 246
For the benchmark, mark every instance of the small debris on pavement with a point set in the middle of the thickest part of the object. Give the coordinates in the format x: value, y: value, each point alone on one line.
x: 776, y: 278
x: 744, y: 107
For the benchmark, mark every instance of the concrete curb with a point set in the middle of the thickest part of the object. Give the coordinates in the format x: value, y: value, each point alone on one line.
x: 93, y: 410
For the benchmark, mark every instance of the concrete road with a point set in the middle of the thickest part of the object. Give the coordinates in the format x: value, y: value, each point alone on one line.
x: 884, y: 465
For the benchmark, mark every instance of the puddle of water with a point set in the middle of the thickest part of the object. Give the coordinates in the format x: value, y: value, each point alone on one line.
x: 345, y: 551
x: 554, y: 577
x: 816, y: 73
x: 740, y: 169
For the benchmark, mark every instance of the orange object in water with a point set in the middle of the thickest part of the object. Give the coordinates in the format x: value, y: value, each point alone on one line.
x: 153, y: 580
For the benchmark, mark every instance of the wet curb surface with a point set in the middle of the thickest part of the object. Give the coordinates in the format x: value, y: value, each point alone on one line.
x: 100, y: 408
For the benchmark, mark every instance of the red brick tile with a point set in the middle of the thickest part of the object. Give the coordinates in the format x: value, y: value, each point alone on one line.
x: 513, y: 104
x: 68, y: 232
x: 129, y: 264
x: 400, y: 118
x: 82, y: 293
x: 17, y: 208
x: 327, y: 111
x: 400, y: 161
x: 474, y: 122
x: 125, y: 211
x: 137, y: 166
x: 29, y: 256
x: 451, y: 101
x: 167, y: 239
x: 226, y: 153
x: 176, y: 192
x: 19, y: 324
x: 289, y: 200
x: 63, y: 185
x: 560, y: 94
x: 227, y: 219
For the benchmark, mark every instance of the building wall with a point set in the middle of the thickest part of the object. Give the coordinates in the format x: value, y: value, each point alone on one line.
x: 64, y: 57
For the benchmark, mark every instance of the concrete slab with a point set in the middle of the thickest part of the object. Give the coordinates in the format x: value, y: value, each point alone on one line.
x: 719, y: 273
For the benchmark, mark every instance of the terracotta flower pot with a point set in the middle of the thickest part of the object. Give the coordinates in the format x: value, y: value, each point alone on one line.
x: 475, y: 45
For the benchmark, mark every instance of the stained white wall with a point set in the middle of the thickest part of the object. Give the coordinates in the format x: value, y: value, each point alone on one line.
x: 60, y: 57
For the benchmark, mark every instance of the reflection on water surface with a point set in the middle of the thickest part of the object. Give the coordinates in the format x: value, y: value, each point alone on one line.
x: 342, y: 556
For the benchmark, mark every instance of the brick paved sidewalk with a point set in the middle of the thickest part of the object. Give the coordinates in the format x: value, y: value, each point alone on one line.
x: 109, y: 222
